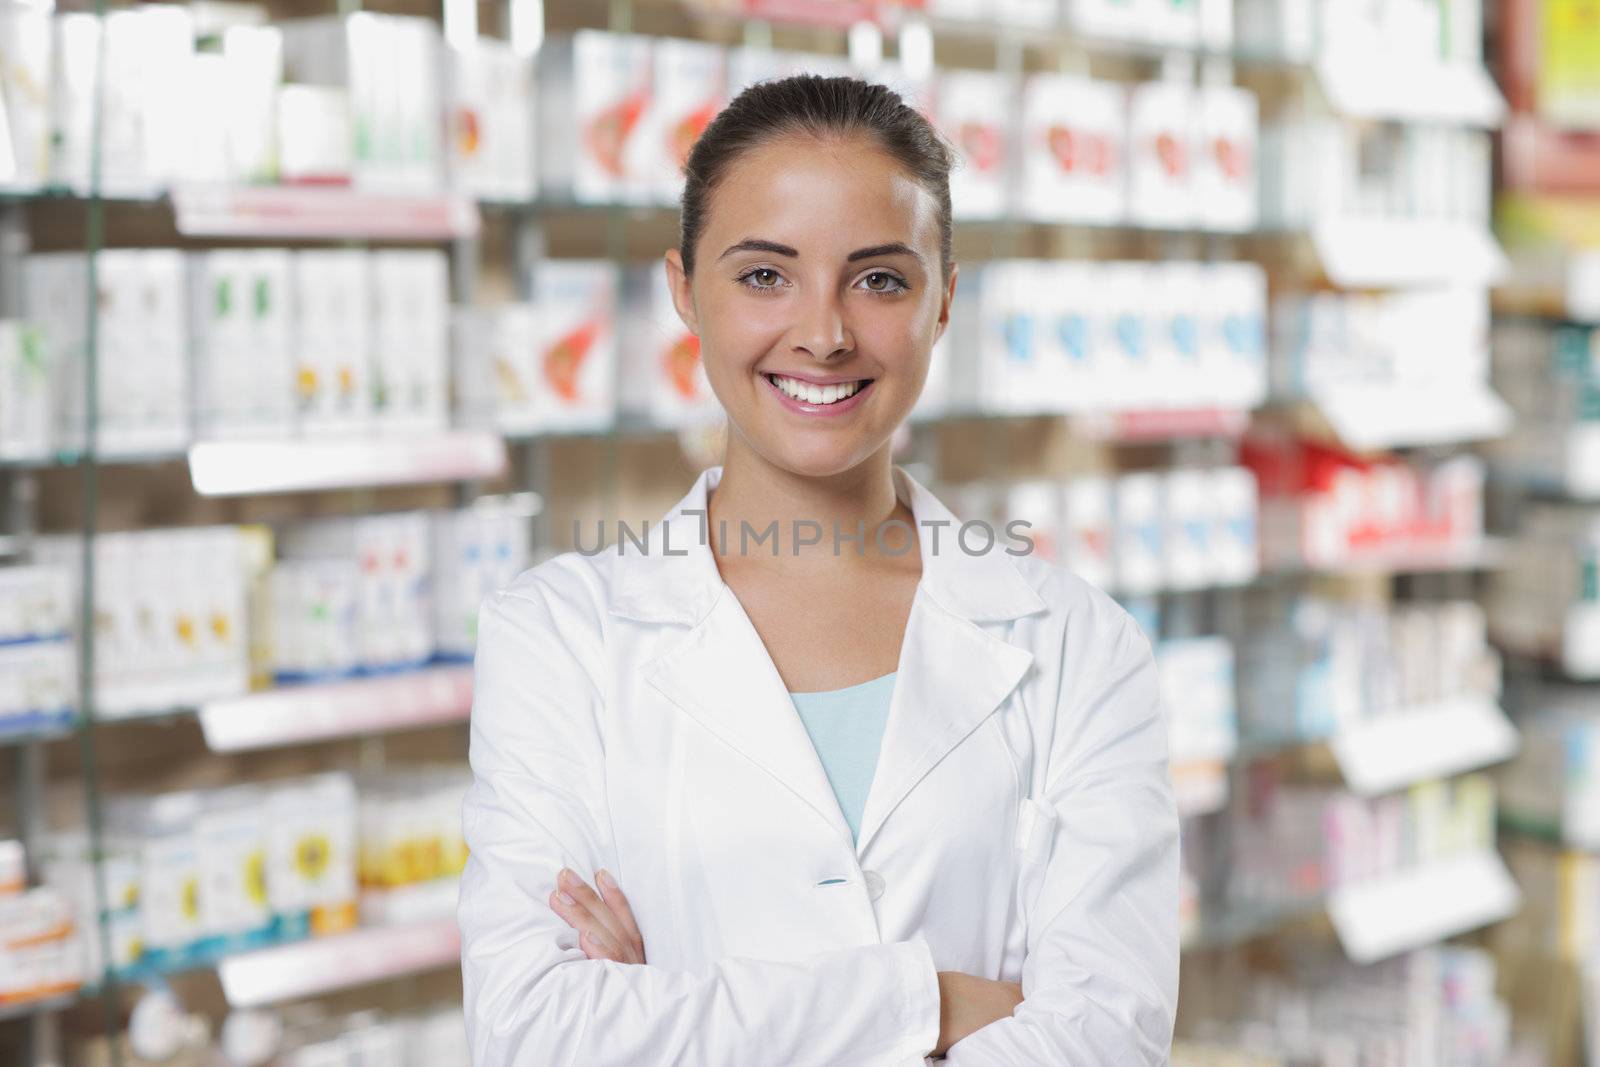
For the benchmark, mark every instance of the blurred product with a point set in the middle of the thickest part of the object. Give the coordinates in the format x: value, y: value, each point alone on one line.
x: 1546, y: 600
x: 41, y: 952
x: 171, y: 625
x: 1325, y: 507
x: 1314, y: 667
x: 1435, y: 1007
x: 1143, y: 532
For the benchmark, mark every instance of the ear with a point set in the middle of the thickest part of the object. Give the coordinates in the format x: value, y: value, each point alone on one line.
x: 682, y: 294
x: 947, y: 299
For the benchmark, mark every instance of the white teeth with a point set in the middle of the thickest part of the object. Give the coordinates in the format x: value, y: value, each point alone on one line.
x: 816, y: 394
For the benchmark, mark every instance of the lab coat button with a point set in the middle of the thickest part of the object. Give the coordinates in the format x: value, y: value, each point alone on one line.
x: 874, y: 884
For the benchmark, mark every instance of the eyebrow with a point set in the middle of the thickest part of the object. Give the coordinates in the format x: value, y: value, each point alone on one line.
x: 758, y: 244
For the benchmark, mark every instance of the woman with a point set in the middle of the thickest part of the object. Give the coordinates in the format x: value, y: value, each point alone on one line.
x: 668, y: 865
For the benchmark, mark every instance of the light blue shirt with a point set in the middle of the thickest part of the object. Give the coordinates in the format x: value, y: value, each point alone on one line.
x: 846, y: 726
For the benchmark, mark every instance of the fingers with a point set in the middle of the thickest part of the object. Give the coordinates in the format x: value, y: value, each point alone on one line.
x: 609, y: 928
x: 611, y: 893
x: 603, y: 934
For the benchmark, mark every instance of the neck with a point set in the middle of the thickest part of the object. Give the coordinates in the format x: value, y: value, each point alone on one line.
x: 755, y: 494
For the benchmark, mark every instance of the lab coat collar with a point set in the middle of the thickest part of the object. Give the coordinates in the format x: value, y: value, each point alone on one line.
x: 674, y: 578
x: 952, y: 672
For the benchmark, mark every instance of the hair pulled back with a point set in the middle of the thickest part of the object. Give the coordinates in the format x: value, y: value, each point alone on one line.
x: 820, y: 106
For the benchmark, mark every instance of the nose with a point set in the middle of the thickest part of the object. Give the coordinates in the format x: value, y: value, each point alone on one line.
x: 820, y: 330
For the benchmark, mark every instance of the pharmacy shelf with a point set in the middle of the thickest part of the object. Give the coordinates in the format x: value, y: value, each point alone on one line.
x: 22, y: 730
x: 298, y: 714
x: 24, y: 1007
x: 1053, y: 37
x: 1358, y: 253
x: 1412, y: 745
x: 284, y: 212
x: 323, y: 965
x: 1240, y: 926
x: 1384, y: 917
x: 1373, y: 418
x: 237, y: 468
x: 1407, y: 91
x: 1488, y: 554
x: 1156, y: 425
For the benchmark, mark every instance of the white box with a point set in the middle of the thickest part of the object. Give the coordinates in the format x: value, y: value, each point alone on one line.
x: 76, y: 41
x: 1225, y: 153
x: 1234, y: 538
x: 333, y: 341
x: 1073, y: 146
x: 1216, y: 24
x: 1176, y: 372
x: 1040, y: 504
x: 577, y: 349
x: 27, y: 376
x: 1161, y: 163
x: 492, y: 110
x: 973, y: 111
x: 1140, y: 551
x: 411, y: 338
x: 691, y: 79
x: 1168, y: 22
x: 664, y: 379
x: 1090, y: 534
x: 1104, y: 18
x: 1077, y: 375
x: 145, y: 139
x: 1027, y: 14
x: 253, y: 56
x: 1188, y: 529
x: 1233, y: 335
x: 1124, y: 334
x: 25, y: 76
x: 592, y: 148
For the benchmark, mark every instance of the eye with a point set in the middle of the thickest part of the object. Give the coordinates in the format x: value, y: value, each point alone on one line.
x: 882, y: 281
x: 745, y: 279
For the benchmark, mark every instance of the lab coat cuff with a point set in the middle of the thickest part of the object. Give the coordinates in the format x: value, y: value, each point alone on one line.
x: 922, y: 1000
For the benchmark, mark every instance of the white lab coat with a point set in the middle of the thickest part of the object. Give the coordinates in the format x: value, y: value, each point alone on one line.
x: 1020, y: 825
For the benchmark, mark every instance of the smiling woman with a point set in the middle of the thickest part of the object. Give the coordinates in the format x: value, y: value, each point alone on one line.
x: 806, y: 805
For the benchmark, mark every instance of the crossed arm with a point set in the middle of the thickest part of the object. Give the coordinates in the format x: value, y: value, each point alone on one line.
x: 607, y: 931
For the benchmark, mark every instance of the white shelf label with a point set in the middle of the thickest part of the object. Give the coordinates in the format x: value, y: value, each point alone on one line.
x: 1369, y: 418
x: 235, y: 468
x: 1385, y: 917
x: 1399, y: 89
x: 1385, y: 253
x: 285, y: 211
x: 322, y: 965
x: 296, y: 714
x: 1413, y: 745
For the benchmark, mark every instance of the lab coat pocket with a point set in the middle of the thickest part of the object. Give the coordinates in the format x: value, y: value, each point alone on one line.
x: 1036, y: 826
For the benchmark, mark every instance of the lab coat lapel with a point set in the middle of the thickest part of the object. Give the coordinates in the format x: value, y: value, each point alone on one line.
x: 952, y: 674
x: 724, y: 678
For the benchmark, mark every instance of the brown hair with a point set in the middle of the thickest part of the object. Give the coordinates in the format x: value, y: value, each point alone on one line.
x: 811, y: 103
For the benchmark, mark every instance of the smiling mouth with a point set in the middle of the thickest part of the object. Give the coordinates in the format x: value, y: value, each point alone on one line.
x: 807, y: 393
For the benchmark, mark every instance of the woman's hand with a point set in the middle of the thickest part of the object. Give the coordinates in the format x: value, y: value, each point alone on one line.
x: 968, y: 1003
x: 604, y: 921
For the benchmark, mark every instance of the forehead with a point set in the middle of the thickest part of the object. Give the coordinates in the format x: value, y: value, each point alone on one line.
x: 818, y: 192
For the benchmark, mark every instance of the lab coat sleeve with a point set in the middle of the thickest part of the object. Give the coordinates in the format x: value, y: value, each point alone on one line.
x: 1100, y: 977
x: 536, y: 804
